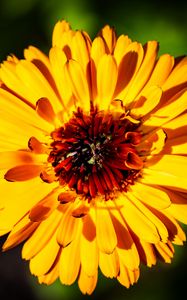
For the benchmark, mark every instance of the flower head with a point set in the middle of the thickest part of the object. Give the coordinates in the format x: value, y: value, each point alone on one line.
x: 93, y: 156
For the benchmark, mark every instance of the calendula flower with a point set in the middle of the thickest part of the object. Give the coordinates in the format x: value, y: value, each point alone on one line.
x: 93, y: 156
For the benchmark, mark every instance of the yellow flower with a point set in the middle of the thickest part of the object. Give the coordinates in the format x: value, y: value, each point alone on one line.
x: 93, y: 156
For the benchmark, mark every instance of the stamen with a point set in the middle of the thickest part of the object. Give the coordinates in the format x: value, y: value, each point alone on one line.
x: 96, y: 154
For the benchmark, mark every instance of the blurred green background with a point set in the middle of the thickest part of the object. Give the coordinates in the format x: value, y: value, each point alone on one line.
x: 30, y: 22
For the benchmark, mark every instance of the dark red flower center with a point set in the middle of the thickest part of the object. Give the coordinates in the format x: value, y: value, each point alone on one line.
x: 96, y: 153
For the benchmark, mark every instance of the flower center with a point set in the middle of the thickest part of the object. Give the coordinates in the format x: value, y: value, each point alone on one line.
x: 96, y: 154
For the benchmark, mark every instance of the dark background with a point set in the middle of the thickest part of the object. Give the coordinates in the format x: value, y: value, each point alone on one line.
x: 30, y: 22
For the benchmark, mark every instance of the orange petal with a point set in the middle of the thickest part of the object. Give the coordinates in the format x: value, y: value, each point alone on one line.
x: 133, y: 161
x: 13, y: 158
x: 44, y: 207
x: 45, y: 110
x: 36, y: 146
x: 152, y: 143
x: 24, y: 172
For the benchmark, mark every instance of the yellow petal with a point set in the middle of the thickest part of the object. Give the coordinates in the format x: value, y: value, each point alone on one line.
x: 43, y: 261
x: 126, y: 247
x: 41, y: 236
x: 177, y: 145
x: 98, y: 50
x: 106, y: 80
x: 165, y: 252
x: 176, y: 234
x: 151, y: 196
x: 35, y: 55
x: 109, y: 36
x: 144, y: 71
x: 146, y: 102
x: 68, y: 228
x: 138, y: 222
x: 178, y: 207
x: 109, y: 264
x: 127, y: 277
x: 122, y: 43
x: 147, y: 253
x: 175, y: 127
x: 14, y: 83
x: 21, y: 112
x: 70, y: 262
x: 89, y: 249
x: 60, y: 28
x: 79, y: 83
x: 52, y: 275
x: 155, y: 177
x: 172, y: 109
x: 81, y: 49
x: 87, y: 283
x: 176, y: 78
x: 161, y: 71
x: 105, y: 233
x: 174, y: 165
x: 15, y: 206
x: 36, y: 83
x: 161, y: 229
x: 20, y: 232
x: 58, y: 59
x: 128, y: 67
